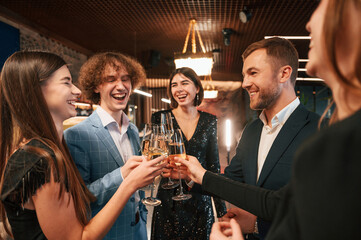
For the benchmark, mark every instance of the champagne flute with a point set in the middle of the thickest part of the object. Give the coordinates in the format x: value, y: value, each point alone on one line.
x: 157, y: 147
x: 166, y: 120
x: 147, y: 131
x: 177, y: 149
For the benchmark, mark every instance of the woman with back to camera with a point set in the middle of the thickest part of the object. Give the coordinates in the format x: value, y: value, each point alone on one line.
x: 323, y: 198
x: 193, y: 218
x: 42, y: 193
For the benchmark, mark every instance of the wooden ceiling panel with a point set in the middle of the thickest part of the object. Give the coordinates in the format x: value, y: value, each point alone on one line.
x: 142, y: 27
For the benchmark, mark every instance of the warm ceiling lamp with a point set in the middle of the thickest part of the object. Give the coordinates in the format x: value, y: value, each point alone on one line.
x: 202, y: 62
x: 209, y: 89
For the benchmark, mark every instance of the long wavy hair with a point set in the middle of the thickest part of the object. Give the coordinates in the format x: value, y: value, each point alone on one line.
x: 25, y: 115
x: 334, y: 24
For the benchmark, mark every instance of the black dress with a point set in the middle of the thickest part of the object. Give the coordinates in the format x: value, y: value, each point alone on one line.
x: 25, y: 172
x: 322, y: 201
x: 193, y: 218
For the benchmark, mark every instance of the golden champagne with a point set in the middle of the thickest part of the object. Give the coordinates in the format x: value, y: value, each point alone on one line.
x: 145, y: 147
x: 176, y: 150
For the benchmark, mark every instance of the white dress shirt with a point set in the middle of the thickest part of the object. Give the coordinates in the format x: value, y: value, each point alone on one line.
x: 269, y: 134
x: 119, y: 136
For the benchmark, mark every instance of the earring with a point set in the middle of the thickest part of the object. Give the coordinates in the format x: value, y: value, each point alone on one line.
x: 197, y: 99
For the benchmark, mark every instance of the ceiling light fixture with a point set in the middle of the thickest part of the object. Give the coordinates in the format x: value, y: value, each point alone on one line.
x: 142, y: 93
x: 303, y: 60
x: 227, y: 32
x: 202, y: 62
x: 245, y: 15
x: 290, y: 37
x: 309, y: 79
x: 209, y: 89
x: 165, y: 100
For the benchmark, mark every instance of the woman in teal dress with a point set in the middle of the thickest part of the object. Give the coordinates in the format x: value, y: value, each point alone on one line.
x: 193, y: 218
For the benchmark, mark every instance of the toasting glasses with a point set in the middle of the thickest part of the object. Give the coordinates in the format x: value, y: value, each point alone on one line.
x: 155, y: 147
x: 166, y: 121
x: 177, y: 149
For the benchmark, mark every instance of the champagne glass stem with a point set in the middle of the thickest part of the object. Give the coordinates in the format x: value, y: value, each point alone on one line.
x: 152, y: 190
x: 180, y: 182
x: 170, y: 181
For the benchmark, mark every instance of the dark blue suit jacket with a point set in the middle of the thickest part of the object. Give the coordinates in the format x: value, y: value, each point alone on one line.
x: 276, y: 170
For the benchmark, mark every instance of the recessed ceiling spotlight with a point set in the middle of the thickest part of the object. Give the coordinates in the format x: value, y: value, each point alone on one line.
x: 245, y: 15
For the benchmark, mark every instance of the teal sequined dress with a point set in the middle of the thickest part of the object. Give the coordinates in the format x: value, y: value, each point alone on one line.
x: 193, y: 218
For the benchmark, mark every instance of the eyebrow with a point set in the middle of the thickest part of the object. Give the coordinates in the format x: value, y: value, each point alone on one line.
x: 66, y: 79
x: 249, y: 70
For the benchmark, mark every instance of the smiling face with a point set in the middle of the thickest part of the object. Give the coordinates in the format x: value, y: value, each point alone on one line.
x: 115, y: 90
x: 60, y: 94
x: 183, y: 90
x: 317, y: 64
x: 260, y: 80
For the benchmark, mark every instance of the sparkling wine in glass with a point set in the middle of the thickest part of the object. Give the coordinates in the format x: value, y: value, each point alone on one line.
x: 146, y: 135
x: 177, y: 149
x: 157, y: 147
x: 167, y: 122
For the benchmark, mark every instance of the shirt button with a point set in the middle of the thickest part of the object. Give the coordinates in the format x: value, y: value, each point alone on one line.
x: 132, y: 199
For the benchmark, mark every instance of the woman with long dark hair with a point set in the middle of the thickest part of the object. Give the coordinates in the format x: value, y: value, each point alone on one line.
x: 193, y: 218
x: 42, y: 193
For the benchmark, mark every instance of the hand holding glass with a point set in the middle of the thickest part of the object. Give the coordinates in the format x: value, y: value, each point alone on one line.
x: 167, y: 122
x: 156, y: 147
x: 177, y: 149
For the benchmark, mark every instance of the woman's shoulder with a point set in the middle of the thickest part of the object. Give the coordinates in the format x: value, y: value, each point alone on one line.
x: 160, y: 112
x: 207, y: 119
x: 339, y: 141
x: 27, y: 167
x: 156, y: 116
x: 208, y: 115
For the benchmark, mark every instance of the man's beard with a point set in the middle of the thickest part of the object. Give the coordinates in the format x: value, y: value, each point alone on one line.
x: 267, y: 98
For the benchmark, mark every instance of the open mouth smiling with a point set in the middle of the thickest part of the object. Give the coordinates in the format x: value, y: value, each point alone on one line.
x: 119, y: 96
x: 182, y: 96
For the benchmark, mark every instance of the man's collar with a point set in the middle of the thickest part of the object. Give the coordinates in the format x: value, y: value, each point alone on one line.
x: 107, y: 119
x: 282, y: 116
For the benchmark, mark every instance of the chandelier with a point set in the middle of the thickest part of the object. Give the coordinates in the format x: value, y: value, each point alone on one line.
x: 202, y: 62
x: 209, y: 89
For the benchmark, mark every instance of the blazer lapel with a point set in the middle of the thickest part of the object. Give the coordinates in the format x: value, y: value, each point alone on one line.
x: 105, y: 137
x: 289, y: 131
x: 133, y: 136
x: 252, y: 140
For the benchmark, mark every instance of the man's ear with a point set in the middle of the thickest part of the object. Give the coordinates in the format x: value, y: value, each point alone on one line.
x: 96, y: 90
x: 285, y: 72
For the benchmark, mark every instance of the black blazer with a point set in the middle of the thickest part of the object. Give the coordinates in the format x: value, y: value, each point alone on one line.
x: 322, y: 200
x: 276, y: 171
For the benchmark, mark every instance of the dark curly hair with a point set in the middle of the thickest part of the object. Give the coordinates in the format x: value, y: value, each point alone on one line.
x: 91, y: 73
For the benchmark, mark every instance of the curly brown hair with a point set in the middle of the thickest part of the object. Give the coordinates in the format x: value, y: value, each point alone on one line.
x: 91, y: 73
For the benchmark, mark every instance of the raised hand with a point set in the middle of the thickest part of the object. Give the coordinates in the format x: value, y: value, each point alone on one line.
x: 245, y: 219
x: 146, y: 171
x: 226, y: 231
x: 131, y: 163
x: 195, y: 170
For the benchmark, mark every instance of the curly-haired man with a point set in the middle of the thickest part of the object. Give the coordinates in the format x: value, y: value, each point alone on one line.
x: 105, y: 145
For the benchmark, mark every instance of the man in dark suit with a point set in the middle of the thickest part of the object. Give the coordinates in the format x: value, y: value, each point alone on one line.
x: 265, y: 152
